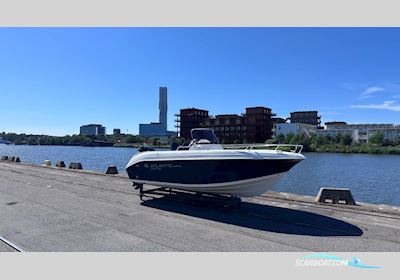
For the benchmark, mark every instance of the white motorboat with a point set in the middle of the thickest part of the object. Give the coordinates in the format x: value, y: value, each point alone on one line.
x: 206, y: 166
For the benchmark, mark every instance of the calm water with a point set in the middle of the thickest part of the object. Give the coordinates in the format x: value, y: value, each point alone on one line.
x: 372, y: 178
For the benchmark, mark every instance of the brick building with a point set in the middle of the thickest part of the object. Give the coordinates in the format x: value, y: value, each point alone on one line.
x: 308, y: 117
x: 188, y: 119
x: 228, y: 128
x: 259, y: 124
x: 255, y: 126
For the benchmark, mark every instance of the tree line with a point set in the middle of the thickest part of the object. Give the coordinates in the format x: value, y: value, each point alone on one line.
x: 78, y: 140
x: 341, y: 143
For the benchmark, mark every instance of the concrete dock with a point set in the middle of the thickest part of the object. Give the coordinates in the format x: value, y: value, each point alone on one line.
x: 50, y: 209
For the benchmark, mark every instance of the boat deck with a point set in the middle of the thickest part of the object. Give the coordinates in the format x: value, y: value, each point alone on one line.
x: 49, y: 209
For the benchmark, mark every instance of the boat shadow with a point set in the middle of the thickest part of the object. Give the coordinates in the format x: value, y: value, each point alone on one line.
x: 261, y: 217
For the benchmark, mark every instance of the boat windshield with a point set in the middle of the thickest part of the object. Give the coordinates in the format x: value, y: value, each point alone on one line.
x: 208, y: 134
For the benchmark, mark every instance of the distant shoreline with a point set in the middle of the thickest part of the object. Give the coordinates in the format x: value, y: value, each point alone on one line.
x: 338, y: 149
x: 117, y: 145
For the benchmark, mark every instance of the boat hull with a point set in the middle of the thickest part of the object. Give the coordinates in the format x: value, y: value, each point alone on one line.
x: 238, y: 177
x: 243, y: 188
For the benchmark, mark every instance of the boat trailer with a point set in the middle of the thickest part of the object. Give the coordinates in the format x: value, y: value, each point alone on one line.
x: 195, y: 198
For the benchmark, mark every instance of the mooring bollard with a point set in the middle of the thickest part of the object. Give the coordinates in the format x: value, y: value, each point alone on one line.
x: 11, y: 159
x: 17, y: 160
x: 47, y: 163
x: 112, y: 170
x: 335, y: 196
x: 75, y: 165
x: 60, y: 164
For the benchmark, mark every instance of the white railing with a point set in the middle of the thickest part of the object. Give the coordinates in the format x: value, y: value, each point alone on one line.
x: 297, y: 149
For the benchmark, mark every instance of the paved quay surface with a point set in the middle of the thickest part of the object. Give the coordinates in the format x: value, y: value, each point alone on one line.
x: 4, y: 247
x: 47, y: 209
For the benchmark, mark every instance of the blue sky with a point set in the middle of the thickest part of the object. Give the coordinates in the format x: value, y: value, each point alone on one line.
x: 52, y: 80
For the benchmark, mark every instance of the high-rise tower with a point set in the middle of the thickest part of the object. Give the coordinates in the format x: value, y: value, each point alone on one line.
x: 163, y: 107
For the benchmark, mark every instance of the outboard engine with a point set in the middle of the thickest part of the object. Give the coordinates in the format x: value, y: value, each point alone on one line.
x: 145, y: 149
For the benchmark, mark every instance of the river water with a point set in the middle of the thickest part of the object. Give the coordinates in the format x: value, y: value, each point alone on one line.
x: 371, y: 178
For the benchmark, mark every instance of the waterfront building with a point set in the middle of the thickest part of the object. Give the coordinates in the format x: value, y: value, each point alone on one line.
x: 228, y: 128
x: 152, y: 129
x: 255, y: 126
x: 293, y: 128
x: 329, y: 125
x: 117, y: 131
x: 361, y: 132
x: 388, y: 133
x: 159, y: 128
x: 354, y: 133
x: 278, y: 120
x: 92, y: 130
x: 188, y: 119
x: 307, y: 117
x: 259, y: 124
x: 362, y: 127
